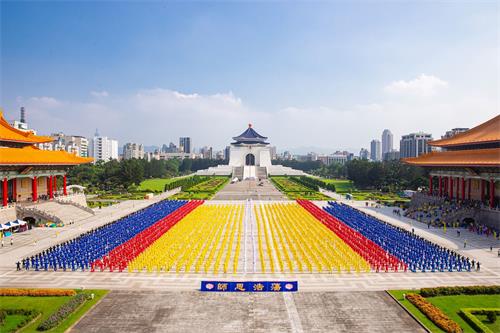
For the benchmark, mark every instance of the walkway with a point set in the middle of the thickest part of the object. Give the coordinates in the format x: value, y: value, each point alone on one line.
x: 129, y: 311
x: 250, y: 189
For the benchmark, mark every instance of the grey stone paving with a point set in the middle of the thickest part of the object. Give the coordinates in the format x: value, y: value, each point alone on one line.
x: 249, y: 189
x: 132, y: 311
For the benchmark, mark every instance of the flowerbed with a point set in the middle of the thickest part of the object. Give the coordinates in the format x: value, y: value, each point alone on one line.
x: 469, y: 315
x: 36, y: 292
x: 63, y: 312
x: 468, y: 290
x: 432, y: 312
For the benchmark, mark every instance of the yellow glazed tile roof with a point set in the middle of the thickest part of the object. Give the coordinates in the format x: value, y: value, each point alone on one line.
x: 484, y: 133
x: 9, y: 133
x: 464, y: 158
x: 31, y: 155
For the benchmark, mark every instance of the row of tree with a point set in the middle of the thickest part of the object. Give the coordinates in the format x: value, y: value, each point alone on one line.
x: 120, y: 175
x: 388, y: 175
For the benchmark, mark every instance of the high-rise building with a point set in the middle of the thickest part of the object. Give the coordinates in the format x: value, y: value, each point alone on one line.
x: 414, y: 144
x: 103, y: 148
x: 133, y: 150
x: 227, y: 151
x: 375, y: 150
x: 391, y: 155
x: 387, y: 141
x: 272, y: 151
x: 185, y: 144
x: 364, y: 154
x: 453, y: 132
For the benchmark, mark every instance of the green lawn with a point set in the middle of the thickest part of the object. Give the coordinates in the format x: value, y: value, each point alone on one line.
x: 156, y: 184
x: 45, y: 305
x: 451, y: 305
x: 204, y: 190
x: 341, y: 185
x: 294, y: 190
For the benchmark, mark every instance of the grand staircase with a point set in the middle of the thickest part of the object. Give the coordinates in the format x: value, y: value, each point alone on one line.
x: 261, y: 173
x: 238, y: 172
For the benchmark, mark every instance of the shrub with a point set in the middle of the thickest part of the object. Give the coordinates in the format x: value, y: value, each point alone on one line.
x: 435, y: 314
x: 36, y: 292
x: 468, y: 290
x: 28, y: 316
x: 469, y: 315
x: 63, y: 312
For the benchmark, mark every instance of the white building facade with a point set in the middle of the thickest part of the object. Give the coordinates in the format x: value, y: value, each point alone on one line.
x: 104, y: 149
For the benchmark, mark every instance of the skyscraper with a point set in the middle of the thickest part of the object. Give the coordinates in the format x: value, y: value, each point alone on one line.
x: 185, y: 144
x: 414, y: 144
x: 375, y: 151
x: 387, y: 139
x: 103, y: 149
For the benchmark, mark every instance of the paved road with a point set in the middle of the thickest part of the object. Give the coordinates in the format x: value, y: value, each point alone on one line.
x: 249, y: 189
x: 130, y: 311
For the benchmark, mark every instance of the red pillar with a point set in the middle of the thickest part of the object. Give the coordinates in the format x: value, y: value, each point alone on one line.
x: 65, y: 192
x: 451, y: 188
x: 469, y: 188
x: 34, y: 189
x: 51, y: 191
x: 482, y: 190
x: 430, y: 184
x: 14, y: 189
x: 458, y: 188
x: 4, y: 192
x: 440, y: 186
x: 463, y: 188
x: 492, y: 193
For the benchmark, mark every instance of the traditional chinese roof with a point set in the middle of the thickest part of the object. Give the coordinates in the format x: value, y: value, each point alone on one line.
x: 31, y: 155
x: 459, y: 158
x: 250, y: 136
x: 11, y: 134
x: 488, y: 132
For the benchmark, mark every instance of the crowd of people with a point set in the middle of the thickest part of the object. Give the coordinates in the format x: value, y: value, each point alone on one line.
x: 81, y: 252
x: 418, y: 253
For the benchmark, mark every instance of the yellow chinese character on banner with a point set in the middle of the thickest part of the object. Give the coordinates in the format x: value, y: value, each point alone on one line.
x: 222, y: 286
x: 275, y: 287
x: 258, y: 287
x: 240, y: 287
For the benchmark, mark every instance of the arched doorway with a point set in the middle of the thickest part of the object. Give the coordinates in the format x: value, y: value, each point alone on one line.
x: 30, y: 220
x: 250, y: 159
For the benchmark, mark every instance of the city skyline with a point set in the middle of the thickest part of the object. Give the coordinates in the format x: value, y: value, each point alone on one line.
x: 324, y: 71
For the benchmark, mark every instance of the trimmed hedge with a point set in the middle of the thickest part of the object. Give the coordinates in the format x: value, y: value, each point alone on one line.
x: 313, y: 183
x: 469, y: 315
x: 63, y: 312
x: 36, y: 292
x: 470, y: 290
x: 435, y: 314
x: 185, y: 183
x: 28, y: 314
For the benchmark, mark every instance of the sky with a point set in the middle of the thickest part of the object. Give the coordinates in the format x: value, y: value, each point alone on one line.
x: 309, y: 75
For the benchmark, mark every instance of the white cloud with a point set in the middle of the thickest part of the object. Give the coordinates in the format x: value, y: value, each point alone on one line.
x: 421, y: 86
x: 157, y: 116
x: 102, y: 93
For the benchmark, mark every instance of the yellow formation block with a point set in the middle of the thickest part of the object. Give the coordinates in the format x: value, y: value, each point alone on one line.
x: 207, y: 240
x: 290, y: 239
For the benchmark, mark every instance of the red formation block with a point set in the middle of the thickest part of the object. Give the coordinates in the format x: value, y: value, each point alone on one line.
x: 120, y: 256
x: 377, y: 257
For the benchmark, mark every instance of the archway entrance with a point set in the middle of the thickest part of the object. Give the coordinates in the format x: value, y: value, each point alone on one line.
x: 250, y: 159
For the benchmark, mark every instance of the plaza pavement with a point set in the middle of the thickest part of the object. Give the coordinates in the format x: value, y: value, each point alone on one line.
x: 249, y: 189
x: 130, y: 311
